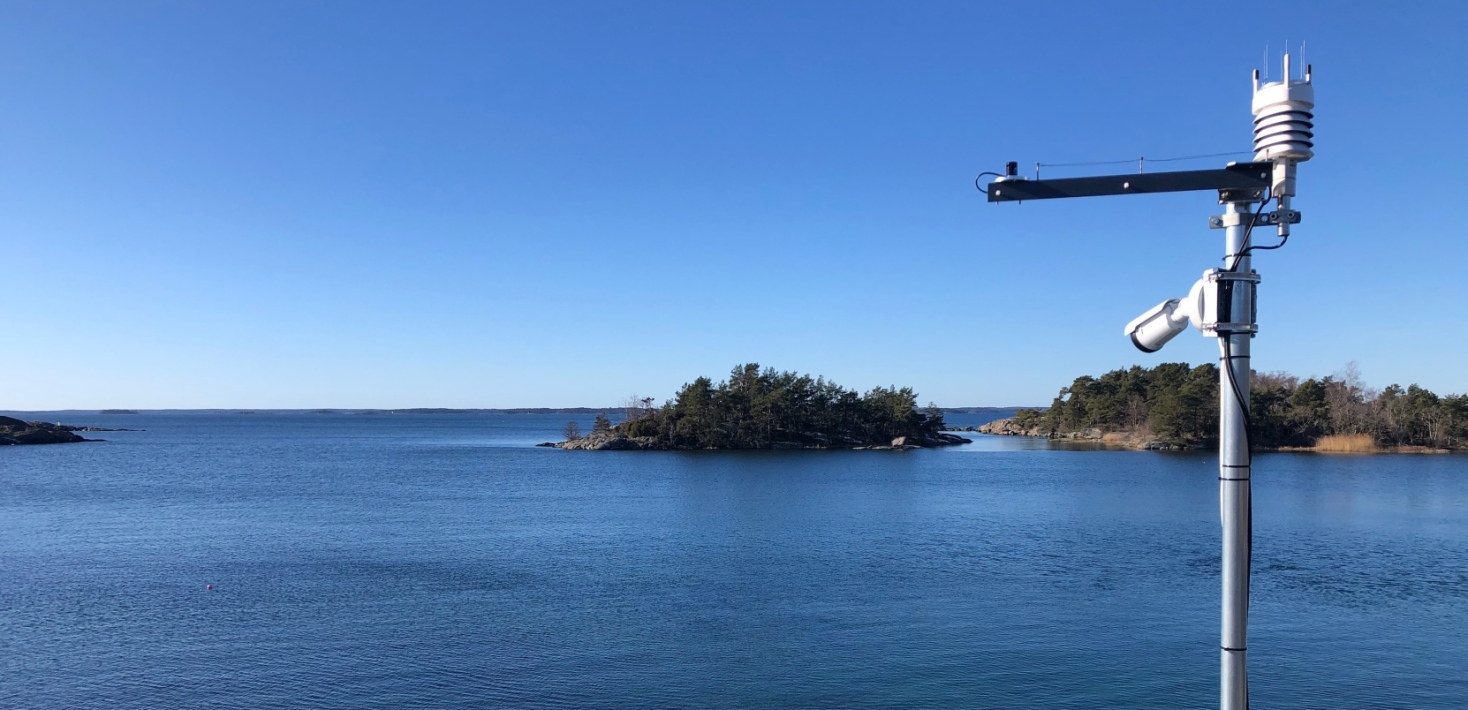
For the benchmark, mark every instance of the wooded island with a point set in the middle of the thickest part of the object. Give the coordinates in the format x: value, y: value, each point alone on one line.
x: 761, y: 408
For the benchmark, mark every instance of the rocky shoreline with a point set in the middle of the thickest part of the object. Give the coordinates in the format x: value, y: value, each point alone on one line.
x: 1120, y: 439
x: 1142, y: 441
x: 612, y: 441
x: 14, y: 432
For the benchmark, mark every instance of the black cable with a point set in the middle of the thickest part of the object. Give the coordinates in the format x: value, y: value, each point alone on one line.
x: 1253, y: 219
x: 1087, y: 163
x: 1251, y: 248
x: 1282, y: 241
x: 1144, y: 159
x: 979, y: 187
x: 1200, y: 157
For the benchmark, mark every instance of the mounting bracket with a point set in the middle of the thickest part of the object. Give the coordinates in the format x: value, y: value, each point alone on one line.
x: 1266, y: 219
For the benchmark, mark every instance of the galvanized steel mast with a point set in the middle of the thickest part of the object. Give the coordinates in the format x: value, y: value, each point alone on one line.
x: 1223, y: 305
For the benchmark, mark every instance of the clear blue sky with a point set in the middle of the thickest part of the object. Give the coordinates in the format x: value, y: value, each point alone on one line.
x: 354, y: 204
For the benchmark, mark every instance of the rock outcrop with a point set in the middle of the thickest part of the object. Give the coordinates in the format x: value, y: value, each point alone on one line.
x: 607, y: 441
x: 1092, y: 435
x: 928, y: 442
x: 14, y: 431
x: 1007, y: 427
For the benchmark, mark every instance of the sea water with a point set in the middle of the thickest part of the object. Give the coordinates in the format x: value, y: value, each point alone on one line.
x: 442, y: 561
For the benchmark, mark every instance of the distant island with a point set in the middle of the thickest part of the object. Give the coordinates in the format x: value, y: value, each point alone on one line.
x: 118, y: 411
x: 761, y: 408
x: 1175, y: 406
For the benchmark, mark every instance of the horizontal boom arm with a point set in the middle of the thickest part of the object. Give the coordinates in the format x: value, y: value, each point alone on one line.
x: 1239, y: 176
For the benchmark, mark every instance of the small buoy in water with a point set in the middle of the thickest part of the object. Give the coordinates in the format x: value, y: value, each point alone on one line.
x: 208, y: 586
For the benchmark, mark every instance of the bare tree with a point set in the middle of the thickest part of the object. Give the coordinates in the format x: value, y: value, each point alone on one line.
x: 572, y: 431
x: 1136, y: 412
x: 1349, y: 400
x: 1437, y: 422
x: 1275, y: 380
x: 638, y: 407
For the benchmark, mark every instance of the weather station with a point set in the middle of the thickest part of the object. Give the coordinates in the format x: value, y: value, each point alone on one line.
x: 1222, y: 304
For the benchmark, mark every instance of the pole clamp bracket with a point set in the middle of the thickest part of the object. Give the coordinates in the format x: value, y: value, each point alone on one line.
x: 1223, y: 330
x: 1264, y: 219
x: 1221, y: 275
x: 1218, y: 315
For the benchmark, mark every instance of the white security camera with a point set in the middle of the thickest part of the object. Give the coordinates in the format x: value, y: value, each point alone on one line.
x: 1151, y: 330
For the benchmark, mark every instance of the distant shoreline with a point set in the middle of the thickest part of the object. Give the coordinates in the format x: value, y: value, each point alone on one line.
x: 589, y: 411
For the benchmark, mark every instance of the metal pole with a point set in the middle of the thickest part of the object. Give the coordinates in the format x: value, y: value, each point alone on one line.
x: 1233, y: 471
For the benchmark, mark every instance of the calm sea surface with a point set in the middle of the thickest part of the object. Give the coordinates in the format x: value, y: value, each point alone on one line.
x: 441, y: 561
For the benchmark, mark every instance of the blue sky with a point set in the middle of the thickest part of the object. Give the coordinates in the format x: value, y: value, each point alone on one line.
x: 354, y: 204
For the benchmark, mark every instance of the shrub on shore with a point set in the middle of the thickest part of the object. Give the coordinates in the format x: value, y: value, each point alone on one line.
x: 1346, y: 444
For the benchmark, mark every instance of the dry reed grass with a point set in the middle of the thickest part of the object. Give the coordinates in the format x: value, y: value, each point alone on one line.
x: 1346, y: 444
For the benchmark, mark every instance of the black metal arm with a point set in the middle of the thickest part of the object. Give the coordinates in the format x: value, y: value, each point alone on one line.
x: 1239, y: 176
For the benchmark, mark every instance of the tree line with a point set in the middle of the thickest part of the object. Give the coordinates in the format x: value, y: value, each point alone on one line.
x: 1179, y: 403
x: 758, y: 408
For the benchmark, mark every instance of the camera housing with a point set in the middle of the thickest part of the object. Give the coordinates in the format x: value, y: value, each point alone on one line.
x: 1151, y: 330
x: 1161, y: 323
